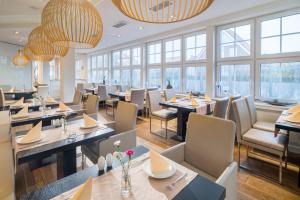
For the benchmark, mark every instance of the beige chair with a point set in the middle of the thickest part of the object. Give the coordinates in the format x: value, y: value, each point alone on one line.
x: 169, y: 93
x: 43, y: 91
x: 137, y: 97
x: 255, y: 138
x: 221, y: 107
x: 102, y: 95
x: 3, y: 101
x: 92, y: 106
x: 262, y: 125
x: 208, y: 150
x: 125, y: 128
x: 157, y: 113
x: 229, y: 112
x: 7, y: 169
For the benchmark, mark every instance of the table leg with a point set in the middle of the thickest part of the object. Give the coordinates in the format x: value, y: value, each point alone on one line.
x: 182, y: 118
x: 66, y: 163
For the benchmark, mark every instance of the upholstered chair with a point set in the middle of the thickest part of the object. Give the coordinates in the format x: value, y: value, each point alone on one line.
x: 156, y: 112
x: 255, y: 138
x: 3, y: 101
x: 125, y: 130
x: 221, y: 107
x: 102, y: 95
x: 92, y: 105
x: 262, y: 125
x: 229, y: 112
x: 43, y: 91
x: 208, y: 150
x: 169, y: 93
x: 137, y: 97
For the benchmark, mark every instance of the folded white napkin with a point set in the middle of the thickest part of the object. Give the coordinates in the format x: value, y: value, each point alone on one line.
x: 50, y: 99
x: 158, y: 163
x: 207, y: 98
x: 19, y: 102
x: 294, y: 109
x: 85, y: 191
x: 295, y: 117
x: 21, y: 113
x: 194, y: 102
x: 88, y: 121
x: 63, y: 107
x: 33, y: 135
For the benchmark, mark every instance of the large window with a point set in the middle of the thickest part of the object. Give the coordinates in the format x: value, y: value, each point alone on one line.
x: 173, y: 51
x: 195, y: 77
x: 137, y: 74
x: 280, y: 35
x: 154, y: 53
x: 280, y: 81
x: 154, y: 77
x: 195, y: 47
x: 98, y: 68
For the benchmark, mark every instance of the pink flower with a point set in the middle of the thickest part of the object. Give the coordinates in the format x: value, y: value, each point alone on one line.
x: 129, y: 152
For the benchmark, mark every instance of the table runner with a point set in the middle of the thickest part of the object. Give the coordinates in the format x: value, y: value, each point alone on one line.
x: 56, y: 134
x: 201, y: 108
x: 108, y: 185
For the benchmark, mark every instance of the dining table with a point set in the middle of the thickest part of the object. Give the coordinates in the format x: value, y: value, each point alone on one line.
x: 198, y: 188
x: 18, y: 94
x: 122, y: 96
x: 63, y: 143
x: 293, y: 153
x: 93, y: 91
x: 184, y: 108
x: 33, y: 105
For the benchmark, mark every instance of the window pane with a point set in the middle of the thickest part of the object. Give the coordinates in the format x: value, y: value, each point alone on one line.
x: 173, y: 51
x: 280, y: 81
x: 291, y: 43
x: 172, y: 75
x: 116, y: 77
x: 190, y: 42
x: 154, y: 78
x: 227, y: 50
x: 270, y: 45
x: 195, y: 47
x: 105, y: 60
x: 291, y: 24
x: 200, y: 53
x: 195, y: 79
x: 100, y: 61
x: 242, y: 33
x: 201, y: 40
x: 94, y: 62
x: 242, y: 48
x: 235, y: 79
x: 227, y: 35
x: 154, y: 53
x: 136, y: 56
x: 270, y: 28
x: 126, y: 57
x: 125, y: 77
x: 116, y: 59
x: 136, y: 78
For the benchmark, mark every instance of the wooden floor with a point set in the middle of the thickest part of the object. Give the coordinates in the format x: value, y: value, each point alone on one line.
x: 251, y: 186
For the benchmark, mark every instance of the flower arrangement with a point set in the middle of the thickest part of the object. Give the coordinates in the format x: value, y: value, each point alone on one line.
x: 126, y: 179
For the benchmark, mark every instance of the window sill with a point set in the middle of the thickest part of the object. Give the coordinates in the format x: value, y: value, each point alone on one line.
x: 268, y: 107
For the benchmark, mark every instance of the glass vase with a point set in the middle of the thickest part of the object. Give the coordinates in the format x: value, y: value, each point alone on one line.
x: 125, y: 182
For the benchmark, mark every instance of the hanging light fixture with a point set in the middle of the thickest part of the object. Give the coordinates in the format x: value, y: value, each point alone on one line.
x: 40, y: 46
x: 31, y: 55
x: 165, y: 11
x: 72, y: 23
x: 20, y: 59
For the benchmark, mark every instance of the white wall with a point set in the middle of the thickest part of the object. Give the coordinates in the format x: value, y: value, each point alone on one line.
x: 9, y: 73
x: 67, y: 76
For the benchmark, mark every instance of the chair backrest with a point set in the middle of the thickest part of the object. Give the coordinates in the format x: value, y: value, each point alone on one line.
x: 221, y: 107
x: 92, y: 104
x: 80, y: 87
x: 154, y: 98
x: 242, y: 115
x: 169, y: 93
x: 2, y: 98
x: 125, y: 118
x: 110, y: 89
x: 252, y: 108
x: 137, y: 97
x: 229, y: 112
x: 102, y: 92
x: 209, y: 143
x: 43, y: 91
x: 77, y: 97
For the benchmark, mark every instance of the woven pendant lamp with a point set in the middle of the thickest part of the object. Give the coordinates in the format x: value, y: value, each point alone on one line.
x: 72, y: 23
x: 40, y: 45
x: 165, y: 11
x: 20, y: 59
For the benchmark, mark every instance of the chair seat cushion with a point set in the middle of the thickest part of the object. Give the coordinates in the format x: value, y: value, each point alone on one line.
x: 265, y: 126
x: 266, y: 139
x: 165, y: 113
x: 201, y: 173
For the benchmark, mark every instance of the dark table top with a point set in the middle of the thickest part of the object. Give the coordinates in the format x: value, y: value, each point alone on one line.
x: 180, y: 106
x: 61, y: 145
x: 199, y: 189
x: 285, y: 125
x: 20, y: 92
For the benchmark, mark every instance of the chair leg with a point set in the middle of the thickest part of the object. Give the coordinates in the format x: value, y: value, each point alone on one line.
x: 280, y: 170
x: 150, y: 126
x: 239, y: 154
x: 82, y: 161
x: 166, y: 124
x: 160, y: 124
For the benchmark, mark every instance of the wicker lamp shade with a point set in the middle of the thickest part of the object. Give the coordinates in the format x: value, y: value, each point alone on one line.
x: 165, y: 11
x: 20, y: 59
x: 72, y: 23
x: 29, y: 53
x: 40, y: 45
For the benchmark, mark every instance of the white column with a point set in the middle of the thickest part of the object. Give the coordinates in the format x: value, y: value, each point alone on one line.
x: 210, y: 65
x: 67, y: 76
x: 40, y: 72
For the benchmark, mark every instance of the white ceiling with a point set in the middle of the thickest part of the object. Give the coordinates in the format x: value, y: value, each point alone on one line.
x: 23, y: 15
